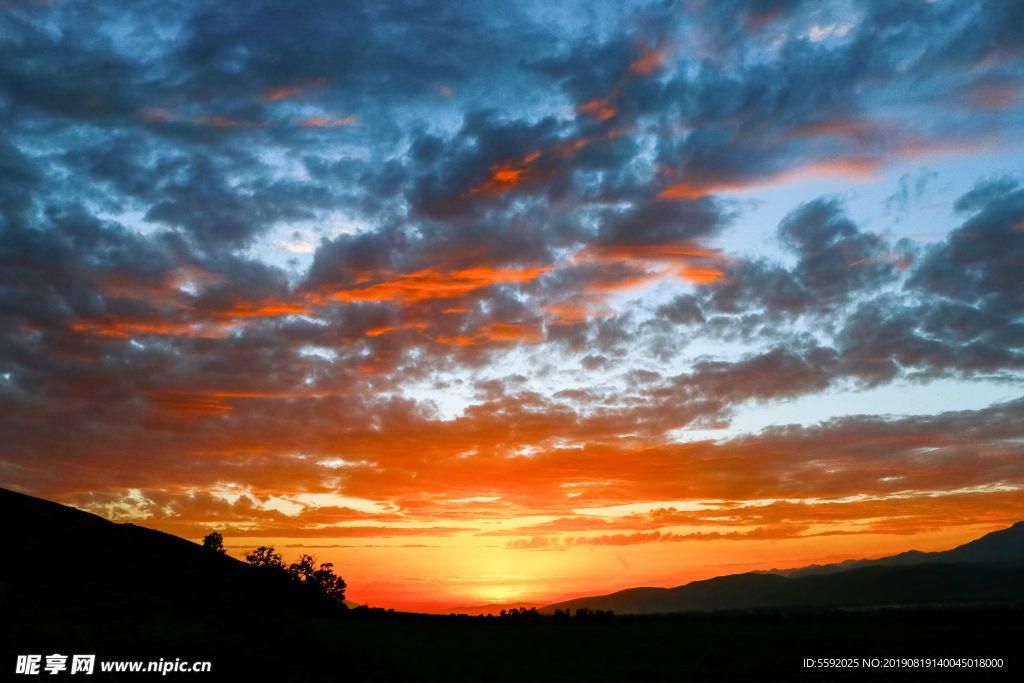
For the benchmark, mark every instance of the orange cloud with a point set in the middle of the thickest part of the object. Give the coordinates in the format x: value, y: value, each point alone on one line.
x: 254, y: 310
x: 433, y: 284
x: 220, y: 122
x: 376, y: 332
x: 924, y: 148
x: 676, y: 253
x: 216, y: 325
x: 156, y: 115
x: 994, y: 94
x: 701, y: 276
x: 671, y: 252
x: 647, y: 63
x: 901, y: 262
x: 126, y: 330
x: 499, y: 332
x: 568, y: 312
x: 460, y: 340
x: 695, y: 190
x: 159, y: 115
x: 506, y: 176
x: 601, y: 109
x: 759, y: 533
x: 844, y: 127
x: 858, y: 169
x: 288, y: 92
x: 570, y: 147
x: 342, y: 531
x: 321, y: 122
x: 190, y: 404
x: 531, y: 334
x: 640, y: 266
x: 281, y: 93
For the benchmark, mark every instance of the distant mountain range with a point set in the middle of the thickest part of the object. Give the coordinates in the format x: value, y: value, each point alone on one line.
x: 1005, y: 545
x: 989, y: 569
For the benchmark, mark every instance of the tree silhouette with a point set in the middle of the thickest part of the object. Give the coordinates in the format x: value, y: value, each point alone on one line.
x: 264, y: 556
x: 323, y: 579
x: 214, y: 541
x: 304, y: 568
x: 333, y: 586
x: 304, y: 571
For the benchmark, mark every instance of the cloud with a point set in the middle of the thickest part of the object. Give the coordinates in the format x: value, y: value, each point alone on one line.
x: 758, y: 534
x: 569, y: 524
x: 864, y: 169
x: 511, y: 281
x: 535, y: 543
x: 321, y: 122
x: 434, y: 285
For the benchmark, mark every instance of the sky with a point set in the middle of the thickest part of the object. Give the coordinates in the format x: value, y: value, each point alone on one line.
x: 519, y: 301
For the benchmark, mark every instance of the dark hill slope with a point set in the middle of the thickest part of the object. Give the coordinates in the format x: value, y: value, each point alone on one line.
x: 59, y: 555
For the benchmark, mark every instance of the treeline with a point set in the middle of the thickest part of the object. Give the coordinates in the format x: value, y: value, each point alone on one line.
x: 320, y: 579
x: 584, y: 615
x: 515, y: 614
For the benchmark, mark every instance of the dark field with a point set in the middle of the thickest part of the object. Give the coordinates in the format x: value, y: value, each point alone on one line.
x: 377, y: 646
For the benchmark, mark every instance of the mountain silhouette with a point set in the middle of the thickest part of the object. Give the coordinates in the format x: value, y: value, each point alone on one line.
x: 987, y: 570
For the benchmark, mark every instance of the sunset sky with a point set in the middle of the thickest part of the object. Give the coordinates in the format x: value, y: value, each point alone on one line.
x: 487, y: 302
